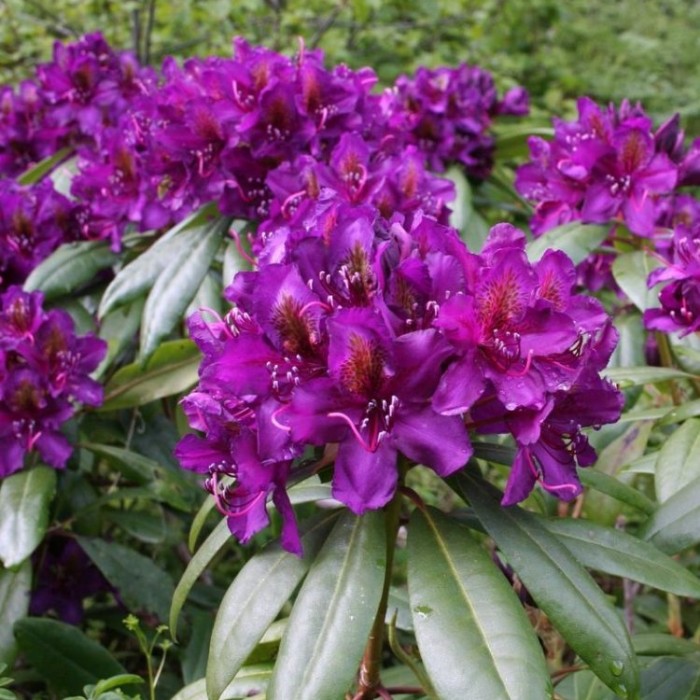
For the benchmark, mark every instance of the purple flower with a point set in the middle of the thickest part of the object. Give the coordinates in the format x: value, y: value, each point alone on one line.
x: 44, y: 369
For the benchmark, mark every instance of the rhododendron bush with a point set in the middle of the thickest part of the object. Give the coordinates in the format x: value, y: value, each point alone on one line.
x: 338, y: 385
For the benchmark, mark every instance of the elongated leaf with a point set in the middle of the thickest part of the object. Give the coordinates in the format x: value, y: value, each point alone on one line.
x: 679, y: 413
x: 254, y: 600
x: 333, y: 615
x: 678, y: 462
x: 69, y: 267
x: 615, y: 552
x: 676, y: 524
x: 631, y: 271
x: 638, y: 376
x: 614, y: 488
x: 577, y: 240
x: 117, y: 682
x: 14, y: 603
x: 37, y: 172
x: 471, y: 628
x: 560, y: 586
x: 140, y: 275
x: 119, y: 328
x: 199, y: 520
x: 134, y: 465
x: 147, y: 527
x: 511, y: 140
x: 499, y: 454
x: 171, y: 370
x: 250, y: 679
x: 63, y: 655
x: 24, y: 512
x: 219, y: 536
x: 658, y: 644
x: 140, y: 582
x: 178, y: 282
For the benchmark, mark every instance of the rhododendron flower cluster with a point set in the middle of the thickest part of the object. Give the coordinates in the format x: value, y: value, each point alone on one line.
x: 258, y: 132
x: 44, y: 371
x: 610, y: 166
x: 382, y: 338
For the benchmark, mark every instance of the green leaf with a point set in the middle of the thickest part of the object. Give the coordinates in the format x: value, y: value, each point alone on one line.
x: 577, y: 240
x: 217, y: 539
x: 671, y: 677
x: 63, y: 655
x: 638, y: 376
x: 146, y: 527
x: 614, y: 488
x: 119, y: 328
x: 178, y: 282
x: 678, y: 462
x: 631, y: 271
x: 333, y: 614
x: 615, y: 552
x: 139, y: 276
x: 676, y: 523
x: 141, y: 584
x: 14, y: 602
x: 629, y: 351
x: 511, y: 139
x: 133, y: 465
x: 172, y: 369
x: 69, y: 267
x: 680, y: 413
x: 471, y: 629
x: 116, y: 682
x: 254, y: 600
x: 560, y: 586
x: 24, y: 512
x: 498, y: 454
x: 658, y: 644
x: 198, y: 522
x: 37, y: 172
x: 250, y: 679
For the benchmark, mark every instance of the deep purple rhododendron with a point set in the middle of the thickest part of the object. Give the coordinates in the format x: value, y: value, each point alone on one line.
x: 44, y: 373
x: 389, y: 340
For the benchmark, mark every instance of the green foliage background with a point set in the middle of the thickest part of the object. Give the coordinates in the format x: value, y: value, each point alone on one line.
x: 646, y: 50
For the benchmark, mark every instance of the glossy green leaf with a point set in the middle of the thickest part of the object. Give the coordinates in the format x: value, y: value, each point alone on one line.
x: 676, y: 523
x: 678, y: 462
x: 631, y: 271
x: 142, y: 585
x: 216, y: 540
x: 562, y: 588
x: 178, y: 282
x: 14, y: 602
x: 615, y: 552
x: 254, y: 600
x: 133, y: 465
x: 577, y: 240
x: 610, y: 486
x: 659, y: 644
x: 139, y: 276
x: 680, y: 413
x: 199, y: 520
x: 638, y: 376
x: 147, y: 527
x: 471, y: 629
x: 37, y: 172
x: 333, y: 614
x: 24, y: 512
x: 629, y: 351
x: 498, y: 454
x: 250, y: 679
x: 511, y: 139
x: 671, y: 677
x: 119, y: 328
x: 69, y: 267
x: 209, y: 295
x: 172, y: 369
x: 63, y: 655
x: 117, y: 682
x: 584, y: 685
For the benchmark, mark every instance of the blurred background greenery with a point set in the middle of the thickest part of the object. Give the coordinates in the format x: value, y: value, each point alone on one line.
x: 646, y: 50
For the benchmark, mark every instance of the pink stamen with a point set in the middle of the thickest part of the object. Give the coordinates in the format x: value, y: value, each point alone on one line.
x: 525, y: 370
x: 239, y: 247
x: 354, y: 429
x: 276, y: 423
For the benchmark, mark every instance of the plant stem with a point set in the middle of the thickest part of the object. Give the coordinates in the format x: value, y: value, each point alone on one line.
x: 666, y: 357
x: 370, y: 667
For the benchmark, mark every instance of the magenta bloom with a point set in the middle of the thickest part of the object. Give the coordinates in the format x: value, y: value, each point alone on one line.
x: 44, y: 372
